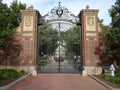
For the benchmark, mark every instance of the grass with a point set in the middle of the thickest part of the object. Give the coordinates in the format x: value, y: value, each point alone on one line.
x: 69, y: 60
x: 43, y: 62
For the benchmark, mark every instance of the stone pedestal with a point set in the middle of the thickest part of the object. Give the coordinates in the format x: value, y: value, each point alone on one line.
x: 32, y: 71
x: 84, y: 73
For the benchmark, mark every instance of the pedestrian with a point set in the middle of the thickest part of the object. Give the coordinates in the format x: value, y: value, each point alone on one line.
x: 79, y: 59
x: 75, y: 59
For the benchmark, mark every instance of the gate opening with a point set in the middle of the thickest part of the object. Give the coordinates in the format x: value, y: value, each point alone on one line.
x: 59, y: 42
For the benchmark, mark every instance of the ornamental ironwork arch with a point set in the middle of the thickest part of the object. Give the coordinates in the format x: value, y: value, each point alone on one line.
x: 63, y: 15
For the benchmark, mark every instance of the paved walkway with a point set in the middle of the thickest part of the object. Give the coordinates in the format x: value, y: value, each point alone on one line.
x: 58, y: 82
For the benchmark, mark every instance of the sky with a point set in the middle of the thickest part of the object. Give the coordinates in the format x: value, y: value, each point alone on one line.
x: 75, y: 6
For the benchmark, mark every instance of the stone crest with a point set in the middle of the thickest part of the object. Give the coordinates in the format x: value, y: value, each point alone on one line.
x: 90, y: 23
x: 28, y: 23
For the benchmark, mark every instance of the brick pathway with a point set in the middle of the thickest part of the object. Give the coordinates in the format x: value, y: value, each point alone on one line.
x: 58, y: 82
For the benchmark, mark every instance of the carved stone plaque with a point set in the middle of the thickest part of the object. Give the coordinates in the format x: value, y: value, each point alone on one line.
x: 28, y: 23
x: 90, y: 23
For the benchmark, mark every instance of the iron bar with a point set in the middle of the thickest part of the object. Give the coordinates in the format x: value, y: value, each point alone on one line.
x: 59, y: 45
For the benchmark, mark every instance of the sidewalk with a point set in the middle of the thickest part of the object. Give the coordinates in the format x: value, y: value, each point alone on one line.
x: 58, y: 82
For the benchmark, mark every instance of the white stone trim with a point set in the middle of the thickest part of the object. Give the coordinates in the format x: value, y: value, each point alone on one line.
x: 92, y: 70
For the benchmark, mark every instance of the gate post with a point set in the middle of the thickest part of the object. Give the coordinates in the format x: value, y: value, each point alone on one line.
x: 90, y: 40
x: 29, y: 40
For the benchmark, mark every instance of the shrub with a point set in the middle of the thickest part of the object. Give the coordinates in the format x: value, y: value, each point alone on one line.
x: 10, y: 74
x: 117, y: 75
x: 21, y: 73
x: 115, y: 80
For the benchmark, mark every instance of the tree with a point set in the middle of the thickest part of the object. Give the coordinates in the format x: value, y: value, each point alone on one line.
x: 113, y: 35
x: 10, y: 18
x: 15, y: 16
x: 103, y: 43
x: 47, y: 39
x: 115, y: 14
x: 71, y: 37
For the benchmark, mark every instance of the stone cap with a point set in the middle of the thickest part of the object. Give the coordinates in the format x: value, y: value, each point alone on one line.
x: 88, y: 9
x: 30, y: 7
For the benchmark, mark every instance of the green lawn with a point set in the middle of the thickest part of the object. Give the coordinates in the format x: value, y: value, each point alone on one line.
x: 43, y: 62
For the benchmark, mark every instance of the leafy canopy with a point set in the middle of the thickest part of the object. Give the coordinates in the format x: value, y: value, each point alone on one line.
x: 113, y: 35
x: 9, y: 20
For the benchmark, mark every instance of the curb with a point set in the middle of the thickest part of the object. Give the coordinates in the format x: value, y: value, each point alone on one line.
x: 104, y: 84
x: 6, y: 87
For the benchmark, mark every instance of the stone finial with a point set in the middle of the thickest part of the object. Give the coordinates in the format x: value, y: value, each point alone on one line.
x: 30, y: 8
x: 87, y: 6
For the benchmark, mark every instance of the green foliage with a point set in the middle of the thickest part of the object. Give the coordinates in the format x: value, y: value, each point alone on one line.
x: 5, y: 30
x: 15, y: 8
x: 115, y: 14
x: 70, y: 60
x: 117, y: 75
x: 9, y: 20
x: 48, y: 39
x: 113, y: 35
x: 115, y: 80
x: 72, y: 40
x: 8, y: 74
x: 43, y: 61
x: 104, y: 29
x: 21, y: 73
x: 9, y: 17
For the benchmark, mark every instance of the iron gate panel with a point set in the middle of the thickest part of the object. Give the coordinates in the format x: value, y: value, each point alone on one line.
x: 52, y: 58
x: 59, y: 43
x: 64, y: 68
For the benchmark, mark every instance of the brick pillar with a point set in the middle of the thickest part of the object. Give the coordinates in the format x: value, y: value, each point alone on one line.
x: 90, y: 40
x: 29, y: 40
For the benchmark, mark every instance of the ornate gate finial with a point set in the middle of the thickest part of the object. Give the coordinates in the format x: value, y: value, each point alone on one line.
x: 59, y: 3
x: 87, y: 7
x: 59, y: 10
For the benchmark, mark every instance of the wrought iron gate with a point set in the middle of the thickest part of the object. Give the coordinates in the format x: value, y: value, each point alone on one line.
x: 59, y: 50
